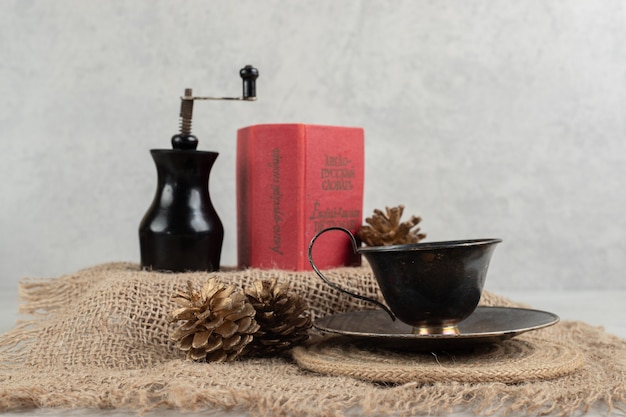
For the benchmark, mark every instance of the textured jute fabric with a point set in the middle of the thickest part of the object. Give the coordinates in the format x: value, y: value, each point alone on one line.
x: 99, y: 338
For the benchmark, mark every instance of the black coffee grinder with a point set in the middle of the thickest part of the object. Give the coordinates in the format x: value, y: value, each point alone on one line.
x: 181, y: 230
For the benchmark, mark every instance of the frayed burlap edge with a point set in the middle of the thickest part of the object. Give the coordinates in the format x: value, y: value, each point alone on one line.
x: 139, y: 369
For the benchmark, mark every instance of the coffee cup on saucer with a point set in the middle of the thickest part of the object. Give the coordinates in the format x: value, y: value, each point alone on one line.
x: 430, y: 286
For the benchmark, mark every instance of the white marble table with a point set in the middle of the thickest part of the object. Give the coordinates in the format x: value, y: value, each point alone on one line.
x: 600, y: 308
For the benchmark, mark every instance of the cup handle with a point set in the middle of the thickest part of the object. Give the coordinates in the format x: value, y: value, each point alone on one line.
x: 335, y: 286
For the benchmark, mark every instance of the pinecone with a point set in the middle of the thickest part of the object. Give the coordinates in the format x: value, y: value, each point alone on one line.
x: 386, y: 229
x: 280, y: 315
x: 218, y: 322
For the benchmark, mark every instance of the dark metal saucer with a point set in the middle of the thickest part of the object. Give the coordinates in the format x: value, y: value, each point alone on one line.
x: 485, y: 325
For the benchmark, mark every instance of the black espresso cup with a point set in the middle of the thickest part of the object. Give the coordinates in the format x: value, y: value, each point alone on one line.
x: 430, y: 286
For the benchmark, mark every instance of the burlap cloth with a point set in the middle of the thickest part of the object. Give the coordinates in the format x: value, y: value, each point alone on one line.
x: 99, y: 339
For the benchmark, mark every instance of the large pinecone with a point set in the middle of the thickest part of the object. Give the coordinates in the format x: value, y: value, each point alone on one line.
x: 281, y: 315
x: 385, y: 228
x: 218, y: 322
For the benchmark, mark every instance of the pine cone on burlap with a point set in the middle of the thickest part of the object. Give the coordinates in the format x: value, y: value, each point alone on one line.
x: 280, y: 315
x: 385, y: 228
x: 218, y: 322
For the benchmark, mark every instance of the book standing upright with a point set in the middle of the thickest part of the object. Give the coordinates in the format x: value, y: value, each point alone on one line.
x: 293, y: 180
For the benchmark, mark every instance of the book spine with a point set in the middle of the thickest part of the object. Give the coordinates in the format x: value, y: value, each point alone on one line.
x: 269, y: 216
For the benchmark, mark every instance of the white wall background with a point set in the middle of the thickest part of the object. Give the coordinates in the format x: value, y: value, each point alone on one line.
x: 488, y: 118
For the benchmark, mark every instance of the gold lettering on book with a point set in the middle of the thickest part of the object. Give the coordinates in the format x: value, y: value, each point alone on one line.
x: 334, y: 216
x: 338, y: 173
x: 276, y: 198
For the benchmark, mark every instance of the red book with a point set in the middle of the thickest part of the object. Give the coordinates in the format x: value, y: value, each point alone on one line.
x: 294, y: 180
